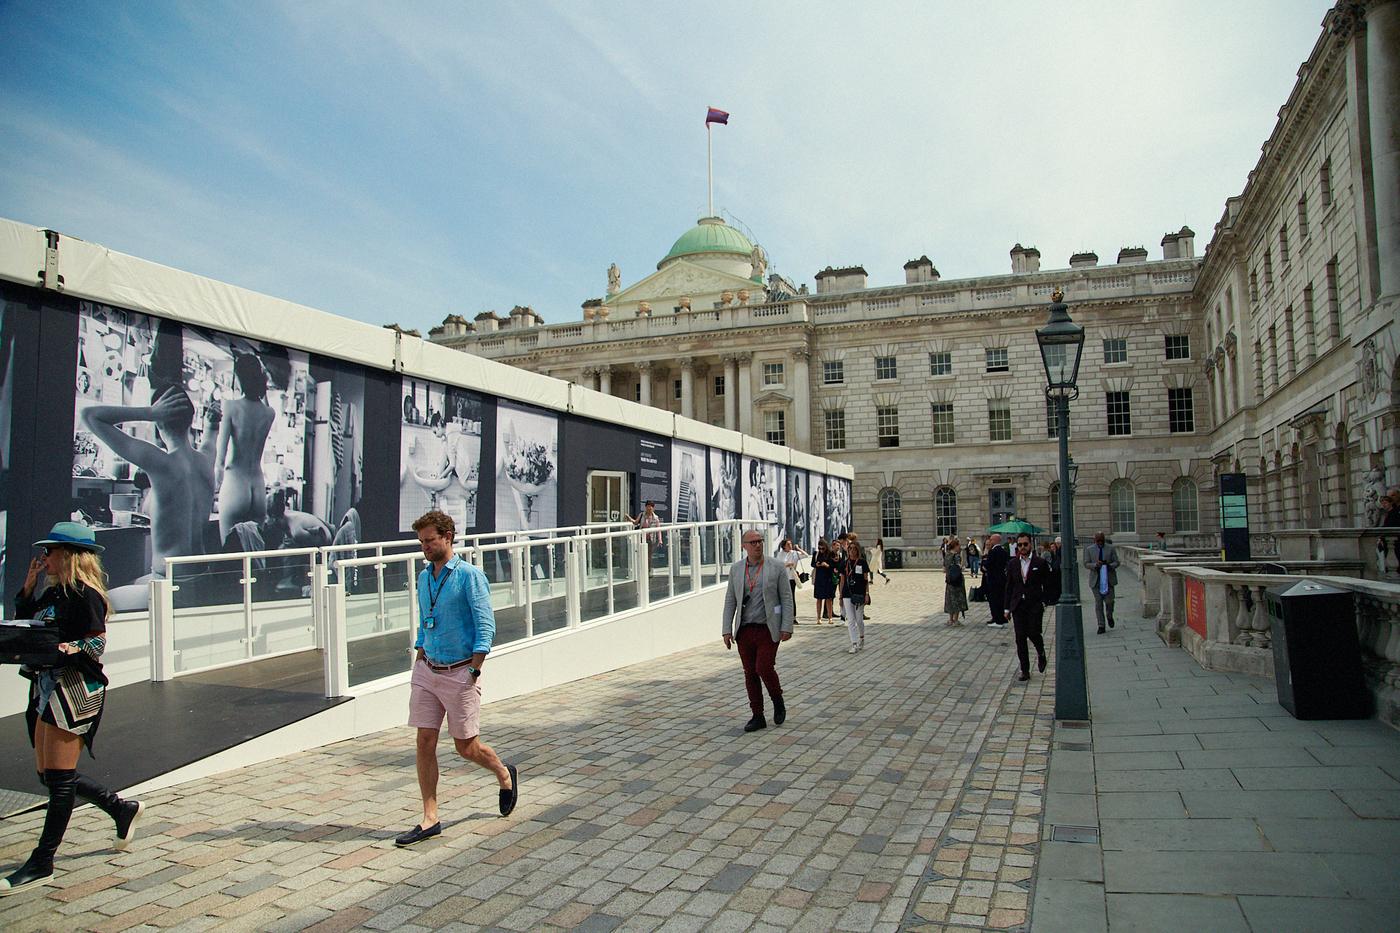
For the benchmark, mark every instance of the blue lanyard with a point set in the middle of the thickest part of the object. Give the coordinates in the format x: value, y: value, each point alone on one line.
x: 433, y: 598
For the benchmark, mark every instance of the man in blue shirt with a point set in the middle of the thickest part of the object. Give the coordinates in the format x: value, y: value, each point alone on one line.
x: 455, y: 628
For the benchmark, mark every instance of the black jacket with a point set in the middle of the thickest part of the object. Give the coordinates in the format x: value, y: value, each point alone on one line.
x: 994, y: 565
x: 1035, y: 590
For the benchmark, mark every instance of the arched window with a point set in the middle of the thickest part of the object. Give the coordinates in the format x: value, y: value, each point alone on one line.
x: 1186, y: 513
x: 891, y: 512
x: 1055, y: 507
x: 945, y: 511
x: 1122, y: 506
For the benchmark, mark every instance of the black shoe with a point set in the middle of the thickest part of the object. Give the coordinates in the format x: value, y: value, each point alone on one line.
x: 779, y: 712
x: 509, y: 795
x: 1101, y: 629
x: 1040, y: 664
x: 756, y: 723
x: 1024, y: 675
x: 1110, y: 623
x: 417, y: 834
x: 29, y: 875
x: 124, y: 813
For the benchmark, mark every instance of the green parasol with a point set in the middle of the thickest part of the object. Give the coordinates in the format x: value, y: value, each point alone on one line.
x: 1015, y: 526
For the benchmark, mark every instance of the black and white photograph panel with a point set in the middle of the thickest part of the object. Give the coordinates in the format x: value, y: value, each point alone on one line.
x: 778, y: 477
x: 816, y: 508
x: 838, y: 507
x: 7, y: 397
x: 687, y: 482
x: 186, y: 442
x: 760, y: 490
x: 527, y: 468
x: 439, y: 453
x: 335, y: 459
x: 797, y: 528
x: 724, y: 484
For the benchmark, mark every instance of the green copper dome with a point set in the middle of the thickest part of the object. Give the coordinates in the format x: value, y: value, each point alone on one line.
x: 710, y: 235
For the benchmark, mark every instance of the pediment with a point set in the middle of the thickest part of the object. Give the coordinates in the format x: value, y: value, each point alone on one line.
x: 681, y: 278
x: 772, y: 397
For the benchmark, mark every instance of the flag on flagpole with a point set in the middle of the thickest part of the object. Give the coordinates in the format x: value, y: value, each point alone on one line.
x: 717, y: 116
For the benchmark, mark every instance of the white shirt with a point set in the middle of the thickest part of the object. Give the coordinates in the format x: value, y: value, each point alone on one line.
x: 1025, y: 568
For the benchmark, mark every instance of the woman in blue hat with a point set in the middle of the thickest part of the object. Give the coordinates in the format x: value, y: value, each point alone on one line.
x: 65, y: 701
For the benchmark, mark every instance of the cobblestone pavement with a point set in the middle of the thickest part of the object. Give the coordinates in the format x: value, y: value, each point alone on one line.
x: 905, y: 790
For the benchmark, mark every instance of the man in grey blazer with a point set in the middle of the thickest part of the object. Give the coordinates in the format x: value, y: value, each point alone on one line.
x: 758, y: 614
x: 1101, y: 560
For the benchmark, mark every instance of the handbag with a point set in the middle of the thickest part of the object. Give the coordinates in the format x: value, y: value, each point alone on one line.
x: 803, y: 576
x: 978, y: 594
x: 954, y: 576
x: 34, y: 645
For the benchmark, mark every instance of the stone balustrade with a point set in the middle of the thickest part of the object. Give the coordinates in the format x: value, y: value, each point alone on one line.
x: 1218, y: 613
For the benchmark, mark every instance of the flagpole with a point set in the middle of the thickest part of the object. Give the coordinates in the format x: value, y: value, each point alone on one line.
x: 710, y: 169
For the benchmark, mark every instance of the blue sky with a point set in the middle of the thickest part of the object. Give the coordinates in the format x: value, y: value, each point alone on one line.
x: 401, y: 162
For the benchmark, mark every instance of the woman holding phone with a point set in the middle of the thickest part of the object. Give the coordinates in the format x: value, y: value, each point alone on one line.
x: 65, y: 700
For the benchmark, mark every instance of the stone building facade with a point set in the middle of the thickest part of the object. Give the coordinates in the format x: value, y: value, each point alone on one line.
x: 1273, y: 355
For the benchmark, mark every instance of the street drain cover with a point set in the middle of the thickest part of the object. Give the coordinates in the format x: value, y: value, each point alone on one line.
x: 1074, y: 834
x: 1074, y: 746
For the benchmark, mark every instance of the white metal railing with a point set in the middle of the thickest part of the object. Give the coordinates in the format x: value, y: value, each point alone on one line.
x: 213, y: 611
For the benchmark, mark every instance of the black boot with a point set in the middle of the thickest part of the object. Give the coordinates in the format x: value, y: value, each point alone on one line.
x: 125, y: 813
x: 39, y: 869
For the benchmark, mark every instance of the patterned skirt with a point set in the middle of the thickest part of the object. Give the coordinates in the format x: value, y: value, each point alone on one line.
x: 68, y: 699
x: 955, y: 598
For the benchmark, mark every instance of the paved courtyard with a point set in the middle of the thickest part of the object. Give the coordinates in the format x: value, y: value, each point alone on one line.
x: 908, y: 789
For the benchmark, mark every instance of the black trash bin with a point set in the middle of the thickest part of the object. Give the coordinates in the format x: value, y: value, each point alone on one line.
x: 1317, y: 657
x: 894, y: 559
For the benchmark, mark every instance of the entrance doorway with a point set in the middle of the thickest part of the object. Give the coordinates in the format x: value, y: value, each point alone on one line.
x: 608, y: 501
x: 1002, y: 504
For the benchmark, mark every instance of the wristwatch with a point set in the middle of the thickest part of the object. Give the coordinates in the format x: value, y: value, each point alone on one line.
x: 474, y: 671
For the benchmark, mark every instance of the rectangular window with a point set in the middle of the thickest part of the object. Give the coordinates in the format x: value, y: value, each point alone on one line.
x: 1309, y: 322
x: 1120, y: 414
x: 772, y: 375
x: 1178, y: 347
x: 1115, y: 350
x: 676, y: 389
x: 1283, y: 244
x: 943, y: 422
x: 940, y: 363
x: 887, y: 425
x: 1289, y: 346
x: 835, y: 428
x: 886, y: 367
x: 998, y: 360
x: 1052, y: 419
x: 775, y: 427
x: 1334, y: 305
x: 637, y: 392
x: 1254, y: 285
x: 1268, y: 269
x: 833, y: 372
x: 1303, y: 217
x: 1181, y: 411
x: 999, y: 420
x: 1325, y: 182
x: 719, y: 387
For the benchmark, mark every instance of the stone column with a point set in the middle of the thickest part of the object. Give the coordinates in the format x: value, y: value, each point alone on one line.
x: 702, y: 392
x: 1211, y: 381
x: 605, y: 380
x: 644, y: 380
x: 590, y: 377
x: 1383, y: 105
x: 744, y: 397
x: 688, y: 388
x: 801, y: 399
x: 731, y: 392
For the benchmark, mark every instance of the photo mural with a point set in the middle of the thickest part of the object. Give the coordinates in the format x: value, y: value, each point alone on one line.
x: 798, y: 528
x: 527, y: 468
x: 687, y: 482
x: 816, y: 508
x: 724, y: 484
x: 439, y: 453
x: 7, y: 395
x: 838, y: 507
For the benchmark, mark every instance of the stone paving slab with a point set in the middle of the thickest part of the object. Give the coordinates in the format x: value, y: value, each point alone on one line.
x: 905, y: 789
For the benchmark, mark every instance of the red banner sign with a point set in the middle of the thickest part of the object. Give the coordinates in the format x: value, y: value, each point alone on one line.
x: 1196, y: 606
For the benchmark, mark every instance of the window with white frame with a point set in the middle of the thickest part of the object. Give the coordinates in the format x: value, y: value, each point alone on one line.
x: 835, y: 419
x: 775, y: 427
x: 1052, y: 419
x: 999, y: 420
x: 1115, y: 349
x: 833, y: 372
x: 1122, y: 506
x: 886, y: 367
x: 772, y: 375
x: 940, y: 363
x: 1120, y: 413
x: 943, y: 423
x: 887, y: 425
x: 945, y: 511
x: 1178, y: 346
x: 891, y: 520
x: 998, y: 360
x: 719, y: 387
x: 1181, y: 411
x: 1186, y: 514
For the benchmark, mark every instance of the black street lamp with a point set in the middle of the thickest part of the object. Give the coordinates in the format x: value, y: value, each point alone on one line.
x: 1061, y: 346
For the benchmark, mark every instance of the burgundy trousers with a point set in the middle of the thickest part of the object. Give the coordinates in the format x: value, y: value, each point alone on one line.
x: 758, y: 652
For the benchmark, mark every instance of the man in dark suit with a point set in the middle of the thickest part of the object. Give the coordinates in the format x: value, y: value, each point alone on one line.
x: 1101, y: 560
x: 994, y: 563
x: 1028, y: 580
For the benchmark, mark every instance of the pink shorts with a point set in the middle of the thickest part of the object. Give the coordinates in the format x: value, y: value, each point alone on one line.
x: 451, y: 693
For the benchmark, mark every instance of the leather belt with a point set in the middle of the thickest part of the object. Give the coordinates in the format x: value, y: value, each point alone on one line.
x: 444, y: 668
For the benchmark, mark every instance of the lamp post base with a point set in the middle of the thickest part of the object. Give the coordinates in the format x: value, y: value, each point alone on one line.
x: 1071, y: 687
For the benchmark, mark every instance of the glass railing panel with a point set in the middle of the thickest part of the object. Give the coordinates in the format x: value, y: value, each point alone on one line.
x: 726, y: 549
x: 507, y: 571
x: 548, y: 588
x: 380, y: 647
x: 624, y: 585
x: 283, y: 616
x: 678, y: 543
x: 209, y: 624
